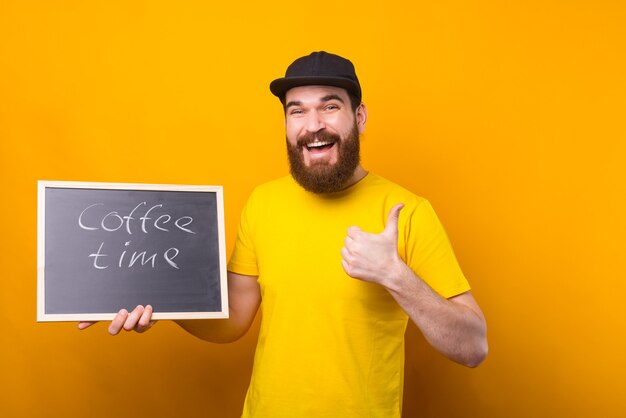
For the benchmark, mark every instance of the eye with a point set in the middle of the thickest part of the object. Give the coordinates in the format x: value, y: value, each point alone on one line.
x: 296, y: 112
x: 331, y: 107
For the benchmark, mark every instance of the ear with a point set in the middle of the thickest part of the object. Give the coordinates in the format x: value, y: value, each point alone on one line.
x: 361, y: 117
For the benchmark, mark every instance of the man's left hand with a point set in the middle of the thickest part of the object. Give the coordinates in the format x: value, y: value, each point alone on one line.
x: 373, y: 257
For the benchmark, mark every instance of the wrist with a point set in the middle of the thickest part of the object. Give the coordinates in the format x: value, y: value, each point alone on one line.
x: 398, y: 274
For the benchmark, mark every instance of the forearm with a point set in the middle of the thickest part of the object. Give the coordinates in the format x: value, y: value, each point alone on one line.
x: 244, y: 298
x: 215, y: 330
x: 454, y: 327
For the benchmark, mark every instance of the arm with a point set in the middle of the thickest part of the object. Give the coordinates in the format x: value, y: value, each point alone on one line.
x: 455, y: 327
x: 244, y: 298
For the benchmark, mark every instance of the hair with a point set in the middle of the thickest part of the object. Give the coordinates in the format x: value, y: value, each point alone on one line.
x: 354, y: 102
x: 323, y: 178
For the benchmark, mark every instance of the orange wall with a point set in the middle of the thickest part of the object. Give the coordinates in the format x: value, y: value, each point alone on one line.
x: 508, y: 116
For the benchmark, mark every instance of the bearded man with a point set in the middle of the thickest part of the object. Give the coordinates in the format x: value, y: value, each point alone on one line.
x: 338, y: 259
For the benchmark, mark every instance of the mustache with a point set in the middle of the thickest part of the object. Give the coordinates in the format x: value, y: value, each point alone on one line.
x: 322, y: 136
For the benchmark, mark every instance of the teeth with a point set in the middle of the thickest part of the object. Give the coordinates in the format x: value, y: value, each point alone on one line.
x: 318, y: 144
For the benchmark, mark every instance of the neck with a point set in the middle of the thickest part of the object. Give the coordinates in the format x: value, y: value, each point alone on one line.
x: 358, y: 175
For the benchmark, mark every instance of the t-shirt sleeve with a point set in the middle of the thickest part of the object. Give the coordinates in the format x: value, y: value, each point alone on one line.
x: 429, y: 252
x: 243, y: 259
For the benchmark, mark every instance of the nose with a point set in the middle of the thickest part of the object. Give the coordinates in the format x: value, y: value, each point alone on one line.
x: 314, y: 122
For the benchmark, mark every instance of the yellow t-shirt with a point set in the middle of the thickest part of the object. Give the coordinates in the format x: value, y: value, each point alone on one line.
x: 331, y: 345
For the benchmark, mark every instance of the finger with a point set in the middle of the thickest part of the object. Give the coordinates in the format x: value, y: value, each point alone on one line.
x: 133, y: 318
x: 354, y: 231
x: 346, y: 267
x: 145, y: 321
x: 348, y: 241
x: 345, y: 254
x: 85, y: 324
x: 392, y: 220
x: 351, y: 270
x: 351, y: 245
x: 118, y: 322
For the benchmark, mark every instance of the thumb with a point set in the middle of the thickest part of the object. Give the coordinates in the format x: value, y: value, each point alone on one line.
x: 392, y: 220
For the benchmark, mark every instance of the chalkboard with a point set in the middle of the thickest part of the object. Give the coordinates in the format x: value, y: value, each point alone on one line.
x: 107, y: 246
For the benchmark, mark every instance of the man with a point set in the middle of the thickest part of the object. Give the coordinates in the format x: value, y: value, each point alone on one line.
x: 335, y: 291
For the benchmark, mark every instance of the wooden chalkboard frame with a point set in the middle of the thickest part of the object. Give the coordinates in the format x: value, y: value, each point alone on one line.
x: 42, y: 316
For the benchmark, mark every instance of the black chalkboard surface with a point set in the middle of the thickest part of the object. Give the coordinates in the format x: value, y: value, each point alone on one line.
x: 107, y: 246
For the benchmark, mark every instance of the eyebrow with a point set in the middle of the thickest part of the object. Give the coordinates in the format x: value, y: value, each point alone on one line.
x: 324, y: 99
x: 330, y: 97
x: 293, y: 103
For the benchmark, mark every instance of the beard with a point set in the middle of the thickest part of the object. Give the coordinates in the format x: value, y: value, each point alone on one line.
x: 322, y: 177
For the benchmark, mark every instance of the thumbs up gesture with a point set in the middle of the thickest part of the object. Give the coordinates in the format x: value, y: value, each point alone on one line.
x: 373, y: 257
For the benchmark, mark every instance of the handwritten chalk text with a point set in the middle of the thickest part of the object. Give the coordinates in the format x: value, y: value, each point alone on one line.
x: 112, y: 221
x: 95, y: 218
x: 140, y: 256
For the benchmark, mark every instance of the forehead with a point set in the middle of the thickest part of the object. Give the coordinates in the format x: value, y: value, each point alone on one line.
x: 314, y: 93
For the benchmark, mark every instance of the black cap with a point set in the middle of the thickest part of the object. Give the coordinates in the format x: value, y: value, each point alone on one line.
x: 319, y: 68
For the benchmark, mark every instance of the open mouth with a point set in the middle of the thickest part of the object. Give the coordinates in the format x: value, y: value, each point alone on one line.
x: 319, y: 146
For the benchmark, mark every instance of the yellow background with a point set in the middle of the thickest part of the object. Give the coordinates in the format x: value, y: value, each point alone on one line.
x: 507, y: 116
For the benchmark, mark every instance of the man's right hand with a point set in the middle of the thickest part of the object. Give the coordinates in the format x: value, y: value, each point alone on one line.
x: 139, y: 320
x: 244, y: 298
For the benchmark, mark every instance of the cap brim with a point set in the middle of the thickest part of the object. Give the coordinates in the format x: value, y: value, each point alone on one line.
x: 280, y: 86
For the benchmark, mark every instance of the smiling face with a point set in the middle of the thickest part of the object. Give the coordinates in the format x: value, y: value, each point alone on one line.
x: 323, y: 137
